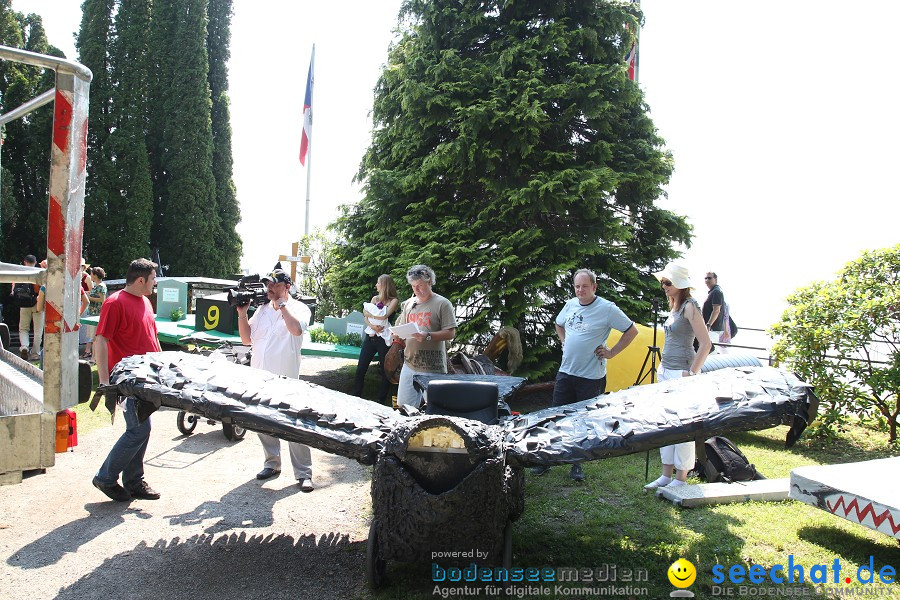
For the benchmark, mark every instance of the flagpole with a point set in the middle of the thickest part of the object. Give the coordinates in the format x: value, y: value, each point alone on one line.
x: 637, y: 52
x: 312, y: 62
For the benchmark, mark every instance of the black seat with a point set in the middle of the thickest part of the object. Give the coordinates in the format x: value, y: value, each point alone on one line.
x: 476, y: 400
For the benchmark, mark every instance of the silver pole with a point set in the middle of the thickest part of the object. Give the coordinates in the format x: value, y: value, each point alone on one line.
x: 29, y: 106
x: 637, y: 52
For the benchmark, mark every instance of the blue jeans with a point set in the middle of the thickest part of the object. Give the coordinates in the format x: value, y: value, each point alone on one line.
x: 127, y: 456
x: 571, y: 388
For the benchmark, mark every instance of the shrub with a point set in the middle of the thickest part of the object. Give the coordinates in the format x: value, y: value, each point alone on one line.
x: 351, y: 339
x: 843, y: 337
x: 321, y: 336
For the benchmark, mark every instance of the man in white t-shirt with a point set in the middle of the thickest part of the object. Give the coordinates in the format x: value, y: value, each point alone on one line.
x: 275, y: 333
x: 583, y: 326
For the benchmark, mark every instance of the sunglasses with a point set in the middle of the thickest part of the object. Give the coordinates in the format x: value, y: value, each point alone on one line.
x: 707, y: 278
x: 665, y: 283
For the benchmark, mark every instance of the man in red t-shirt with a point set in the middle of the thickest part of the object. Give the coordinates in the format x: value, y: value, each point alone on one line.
x: 127, y: 327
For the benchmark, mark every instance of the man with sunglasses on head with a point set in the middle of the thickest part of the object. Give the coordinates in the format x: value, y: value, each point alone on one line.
x: 583, y: 326
x: 275, y: 332
x: 713, y: 313
x: 425, y: 352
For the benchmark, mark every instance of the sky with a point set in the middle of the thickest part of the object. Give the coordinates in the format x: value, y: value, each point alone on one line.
x: 781, y: 116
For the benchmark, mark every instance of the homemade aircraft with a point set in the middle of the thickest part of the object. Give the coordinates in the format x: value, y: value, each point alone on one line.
x: 445, y: 483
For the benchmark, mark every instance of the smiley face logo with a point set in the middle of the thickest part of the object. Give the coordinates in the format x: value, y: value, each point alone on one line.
x: 682, y: 573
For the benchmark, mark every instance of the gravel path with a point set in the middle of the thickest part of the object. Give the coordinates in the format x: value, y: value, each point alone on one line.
x: 216, y: 533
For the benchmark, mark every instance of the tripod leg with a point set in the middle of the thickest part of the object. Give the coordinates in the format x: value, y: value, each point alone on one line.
x: 641, y: 373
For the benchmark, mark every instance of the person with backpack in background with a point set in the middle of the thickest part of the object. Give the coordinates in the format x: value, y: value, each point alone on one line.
x: 679, y: 359
x: 28, y: 297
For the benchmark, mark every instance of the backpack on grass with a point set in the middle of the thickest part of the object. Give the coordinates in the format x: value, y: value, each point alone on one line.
x: 725, y: 462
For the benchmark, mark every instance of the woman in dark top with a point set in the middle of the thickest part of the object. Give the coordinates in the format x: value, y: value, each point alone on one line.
x: 376, y: 337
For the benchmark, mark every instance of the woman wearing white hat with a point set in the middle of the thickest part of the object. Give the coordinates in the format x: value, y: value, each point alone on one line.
x: 685, y: 322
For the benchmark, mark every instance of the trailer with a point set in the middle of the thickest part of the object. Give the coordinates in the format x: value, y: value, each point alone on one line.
x: 31, y: 398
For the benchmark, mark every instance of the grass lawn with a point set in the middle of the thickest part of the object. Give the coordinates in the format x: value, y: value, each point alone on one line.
x: 609, y: 521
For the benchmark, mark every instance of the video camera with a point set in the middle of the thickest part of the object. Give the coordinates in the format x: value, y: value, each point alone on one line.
x: 249, y: 290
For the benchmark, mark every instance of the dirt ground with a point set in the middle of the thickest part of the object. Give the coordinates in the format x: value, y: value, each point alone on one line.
x: 216, y: 532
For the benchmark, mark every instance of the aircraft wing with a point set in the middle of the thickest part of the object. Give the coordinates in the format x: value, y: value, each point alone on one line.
x: 290, y: 409
x: 651, y: 416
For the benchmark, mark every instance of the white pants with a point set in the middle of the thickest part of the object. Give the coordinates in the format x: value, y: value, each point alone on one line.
x: 27, y: 316
x: 406, y: 392
x: 715, y: 337
x: 301, y: 459
x: 683, y: 455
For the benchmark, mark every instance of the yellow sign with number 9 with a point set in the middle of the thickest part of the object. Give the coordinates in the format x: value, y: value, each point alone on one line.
x: 211, y: 320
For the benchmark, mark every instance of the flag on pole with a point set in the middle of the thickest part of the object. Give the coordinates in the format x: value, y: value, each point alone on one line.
x: 632, y: 57
x: 307, y: 111
x: 630, y: 60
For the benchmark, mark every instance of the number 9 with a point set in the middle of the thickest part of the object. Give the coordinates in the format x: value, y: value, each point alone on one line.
x: 211, y: 320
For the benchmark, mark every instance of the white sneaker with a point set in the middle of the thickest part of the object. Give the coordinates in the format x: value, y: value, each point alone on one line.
x: 663, y: 481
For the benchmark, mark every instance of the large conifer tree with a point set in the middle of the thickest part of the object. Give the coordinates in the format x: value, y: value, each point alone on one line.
x: 153, y: 178
x: 185, y: 190
x: 130, y: 208
x: 510, y: 149
x: 218, y: 40
x: 93, y: 51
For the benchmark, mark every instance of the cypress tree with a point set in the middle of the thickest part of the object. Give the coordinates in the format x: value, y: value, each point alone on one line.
x: 510, y: 149
x: 217, y: 41
x: 93, y: 52
x: 184, y: 186
x: 130, y: 211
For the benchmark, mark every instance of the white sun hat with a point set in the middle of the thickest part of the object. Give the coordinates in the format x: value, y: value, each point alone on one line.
x: 677, y: 273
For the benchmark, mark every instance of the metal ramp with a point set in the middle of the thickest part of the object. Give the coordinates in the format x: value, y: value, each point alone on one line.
x: 27, y: 431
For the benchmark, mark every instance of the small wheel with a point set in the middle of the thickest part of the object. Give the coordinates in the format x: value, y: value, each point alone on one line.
x: 375, y: 566
x: 233, y: 433
x: 187, y: 423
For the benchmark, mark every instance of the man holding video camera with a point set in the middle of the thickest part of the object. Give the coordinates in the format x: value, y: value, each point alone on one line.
x: 275, y: 332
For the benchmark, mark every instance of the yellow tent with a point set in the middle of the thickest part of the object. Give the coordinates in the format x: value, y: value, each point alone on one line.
x: 623, y: 370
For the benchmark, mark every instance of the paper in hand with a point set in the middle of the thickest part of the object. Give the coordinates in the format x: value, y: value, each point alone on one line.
x: 405, y: 331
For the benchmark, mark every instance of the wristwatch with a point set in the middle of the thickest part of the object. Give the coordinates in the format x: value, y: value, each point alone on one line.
x: 282, y: 304
x: 428, y: 337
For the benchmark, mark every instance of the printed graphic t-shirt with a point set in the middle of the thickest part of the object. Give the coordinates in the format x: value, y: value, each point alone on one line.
x: 586, y: 328
x: 436, y: 314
